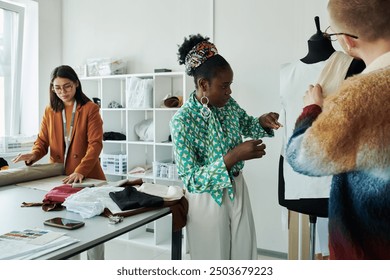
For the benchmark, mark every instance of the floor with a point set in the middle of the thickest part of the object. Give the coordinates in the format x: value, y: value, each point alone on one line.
x: 140, y: 249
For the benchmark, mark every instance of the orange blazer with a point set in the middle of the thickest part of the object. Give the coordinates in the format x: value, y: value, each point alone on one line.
x: 85, y: 145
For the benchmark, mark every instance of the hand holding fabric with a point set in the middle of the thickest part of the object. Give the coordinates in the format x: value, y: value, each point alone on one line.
x: 313, y: 96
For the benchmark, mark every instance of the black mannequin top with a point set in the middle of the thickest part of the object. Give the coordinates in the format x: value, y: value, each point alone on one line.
x: 320, y: 47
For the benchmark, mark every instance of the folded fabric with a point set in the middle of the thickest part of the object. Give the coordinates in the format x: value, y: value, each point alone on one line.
x: 130, y: 198
x: 112, y: 135
x: 168, y: 193
x: 60, y: 193
x: 90, y: 202
x: 144, y: 130
x: 52, y: 201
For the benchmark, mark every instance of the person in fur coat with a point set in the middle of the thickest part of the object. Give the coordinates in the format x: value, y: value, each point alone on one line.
x: 347, y: 135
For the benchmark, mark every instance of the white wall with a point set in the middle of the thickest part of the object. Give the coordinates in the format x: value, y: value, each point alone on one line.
x: 50, y: 46
x: 255, y: 36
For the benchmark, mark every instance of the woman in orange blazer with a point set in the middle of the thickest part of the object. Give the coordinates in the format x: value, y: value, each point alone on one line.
x: 71, y: 127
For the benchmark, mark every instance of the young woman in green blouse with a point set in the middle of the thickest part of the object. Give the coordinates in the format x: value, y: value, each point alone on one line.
x: 207, y: 133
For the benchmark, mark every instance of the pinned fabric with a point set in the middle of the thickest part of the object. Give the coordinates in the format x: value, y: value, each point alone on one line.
x: 130, y: 198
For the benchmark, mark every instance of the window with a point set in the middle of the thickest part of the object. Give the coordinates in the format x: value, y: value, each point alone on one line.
x: 18, y: 67
x: 11, y: 36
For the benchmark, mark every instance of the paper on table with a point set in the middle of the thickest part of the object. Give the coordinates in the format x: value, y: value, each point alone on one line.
x: 48, y: 183
x: 46, y: 238
x: 18, y: 244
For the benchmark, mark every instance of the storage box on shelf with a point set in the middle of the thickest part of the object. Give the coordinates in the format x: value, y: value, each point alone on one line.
x: 165, y: 170
x: 114, y: 164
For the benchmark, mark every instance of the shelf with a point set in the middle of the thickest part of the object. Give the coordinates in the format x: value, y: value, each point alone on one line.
x: 166, y: 109
x: 115, y: 141
x: 113, y: 109
x: 149, y: 119
x: 140, y: 142
x: 142, y: 176
x: 168, y: 144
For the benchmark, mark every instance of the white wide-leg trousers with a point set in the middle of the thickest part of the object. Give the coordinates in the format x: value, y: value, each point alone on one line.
x: 221, y: 232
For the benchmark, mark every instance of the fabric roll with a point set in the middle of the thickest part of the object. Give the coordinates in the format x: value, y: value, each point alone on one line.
x: 29, y: 173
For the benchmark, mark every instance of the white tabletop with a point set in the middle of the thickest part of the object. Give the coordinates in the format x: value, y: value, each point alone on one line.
x: 97, y: 230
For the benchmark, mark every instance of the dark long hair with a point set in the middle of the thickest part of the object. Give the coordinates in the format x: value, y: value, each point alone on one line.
x: 208, y: 69
x: 65, y: 71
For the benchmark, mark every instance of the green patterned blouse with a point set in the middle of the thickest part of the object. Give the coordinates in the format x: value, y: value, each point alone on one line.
x: 200, y: 145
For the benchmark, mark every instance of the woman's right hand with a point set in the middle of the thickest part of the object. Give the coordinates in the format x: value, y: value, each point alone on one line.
x: 27, y: 158
x: 247, y: 150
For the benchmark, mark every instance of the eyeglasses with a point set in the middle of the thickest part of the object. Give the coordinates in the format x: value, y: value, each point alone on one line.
x: 64, y: 88
x: 329, y: 35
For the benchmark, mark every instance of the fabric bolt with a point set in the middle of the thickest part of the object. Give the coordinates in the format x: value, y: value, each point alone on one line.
x: 349, y: 139
x: 200, y: 144
x: 223, y: 228
x: 29, y: 173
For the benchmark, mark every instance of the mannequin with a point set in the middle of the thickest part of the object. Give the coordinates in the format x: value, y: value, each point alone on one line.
x: 320, y: 48
x: 297, y: 192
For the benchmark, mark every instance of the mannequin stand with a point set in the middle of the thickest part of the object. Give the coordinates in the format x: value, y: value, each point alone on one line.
x: 315, y: 207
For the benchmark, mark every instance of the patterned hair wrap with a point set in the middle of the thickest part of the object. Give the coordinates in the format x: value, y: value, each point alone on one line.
x: 198, y: 55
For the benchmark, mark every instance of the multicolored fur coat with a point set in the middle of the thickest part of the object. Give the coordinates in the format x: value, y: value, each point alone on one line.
x: 350, y: 139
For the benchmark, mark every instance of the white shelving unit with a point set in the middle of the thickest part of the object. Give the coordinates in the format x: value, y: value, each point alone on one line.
x: 135, y: 152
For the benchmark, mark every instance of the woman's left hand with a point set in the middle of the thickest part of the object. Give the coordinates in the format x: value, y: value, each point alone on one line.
x: 270, y: 120
x: 73, y: 178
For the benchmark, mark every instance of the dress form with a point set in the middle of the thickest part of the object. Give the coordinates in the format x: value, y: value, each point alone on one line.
x: 320, y: 49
